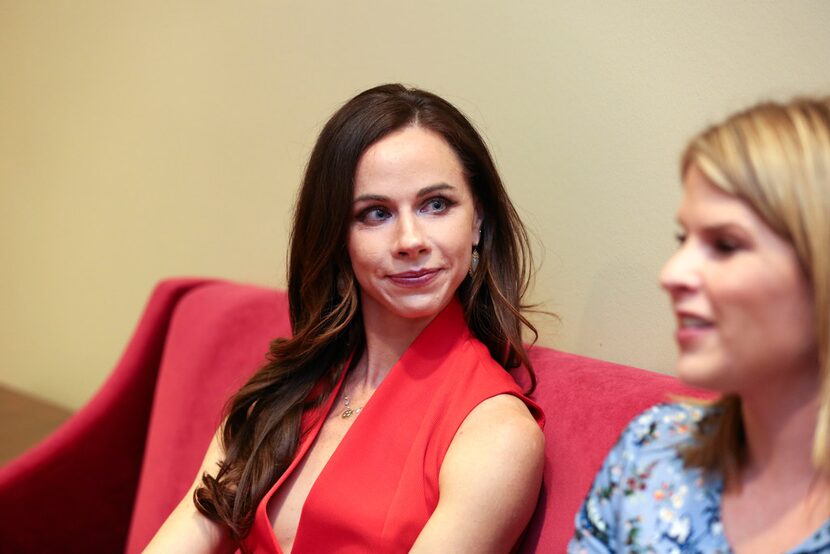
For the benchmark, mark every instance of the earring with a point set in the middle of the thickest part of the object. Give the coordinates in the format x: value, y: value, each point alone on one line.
x: 474, y: 259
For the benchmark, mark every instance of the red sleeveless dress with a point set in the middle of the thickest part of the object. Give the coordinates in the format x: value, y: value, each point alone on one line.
x: 380, y: 485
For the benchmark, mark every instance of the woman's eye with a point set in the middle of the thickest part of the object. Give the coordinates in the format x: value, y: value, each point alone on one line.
x: 725, y: 245
x: 373, y: 215
x: 436, y: 205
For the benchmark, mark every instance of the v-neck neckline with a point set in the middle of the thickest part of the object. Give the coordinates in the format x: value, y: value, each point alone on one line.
x: 317, y: 418
x: 452, y: 316
x: 337, y: 453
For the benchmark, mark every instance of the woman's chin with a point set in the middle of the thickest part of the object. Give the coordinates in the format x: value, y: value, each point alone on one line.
x: 405, y: 308
x: 701, y: 374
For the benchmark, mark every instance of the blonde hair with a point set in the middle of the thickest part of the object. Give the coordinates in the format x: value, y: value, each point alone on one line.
x: 776, y: 158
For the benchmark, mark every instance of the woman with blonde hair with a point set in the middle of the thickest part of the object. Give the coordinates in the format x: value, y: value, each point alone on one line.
x: 750, y: 288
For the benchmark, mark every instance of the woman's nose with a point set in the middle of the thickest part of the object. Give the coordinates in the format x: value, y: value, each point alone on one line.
x: 410, y: 238
x: 680, y: 273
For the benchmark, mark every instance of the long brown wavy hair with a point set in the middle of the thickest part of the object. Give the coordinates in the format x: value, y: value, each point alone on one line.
x: 262, y: 429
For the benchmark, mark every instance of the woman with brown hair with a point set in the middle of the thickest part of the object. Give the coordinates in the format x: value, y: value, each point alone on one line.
x: 750, y: 287
x: 388, y: 422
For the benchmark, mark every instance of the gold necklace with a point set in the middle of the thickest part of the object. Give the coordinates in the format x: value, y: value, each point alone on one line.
x: 349, y: 411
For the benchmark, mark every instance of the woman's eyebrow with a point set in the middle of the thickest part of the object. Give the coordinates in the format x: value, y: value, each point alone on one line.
x: 423, y: 192
x: 432, y: 188
x: 714, y: 226
x: 371, y: 198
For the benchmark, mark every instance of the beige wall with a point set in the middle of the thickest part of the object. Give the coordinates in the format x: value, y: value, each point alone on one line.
x: 150, y: 139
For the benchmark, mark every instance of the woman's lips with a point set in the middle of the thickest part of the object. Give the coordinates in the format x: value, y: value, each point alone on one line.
x: 691, y: 329
x: 417, y: 278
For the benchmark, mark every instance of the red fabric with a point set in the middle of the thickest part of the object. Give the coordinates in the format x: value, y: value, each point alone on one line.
x: 79, y: 490
x: 380, y: 486
x: 74, y: 491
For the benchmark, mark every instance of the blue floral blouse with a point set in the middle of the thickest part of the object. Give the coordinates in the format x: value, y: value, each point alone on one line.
x: 644, y: 501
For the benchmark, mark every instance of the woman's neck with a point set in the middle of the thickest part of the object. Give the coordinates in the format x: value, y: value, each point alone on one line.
x: 779, y: 497
x: 779, y: 422
x: 387, y: 338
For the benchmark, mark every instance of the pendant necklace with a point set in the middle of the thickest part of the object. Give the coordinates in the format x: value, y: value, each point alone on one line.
x: 349, y: 411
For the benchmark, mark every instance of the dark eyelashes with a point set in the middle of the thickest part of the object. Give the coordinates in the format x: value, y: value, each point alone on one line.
x: 444, y: 201
x: 726, y: 246
x: 363, y: 215
x: 439, y: 203
x: 721, y: 245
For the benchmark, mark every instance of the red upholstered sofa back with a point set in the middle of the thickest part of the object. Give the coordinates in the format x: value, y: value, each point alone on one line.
x: 587, y: 402
x: 207, y: 338
x: 218, y: 337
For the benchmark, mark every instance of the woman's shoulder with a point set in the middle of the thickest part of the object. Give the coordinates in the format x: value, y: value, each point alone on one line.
x: 470, y: 371
x: 666, y: 425
x: 481, y: 364
x: 492, y: 385
x: 648, y: 456
x: 505, y: 417
x: 649, y: 450
x: 645, y: 496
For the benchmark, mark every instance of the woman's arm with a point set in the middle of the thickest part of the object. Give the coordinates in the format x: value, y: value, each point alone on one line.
x: 188, y: 531
x: 489, y: 481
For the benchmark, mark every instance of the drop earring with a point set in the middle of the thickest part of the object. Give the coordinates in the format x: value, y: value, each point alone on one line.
x: 474, y: 259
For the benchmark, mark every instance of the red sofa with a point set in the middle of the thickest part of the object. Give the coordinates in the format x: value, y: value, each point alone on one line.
x: 106, y: 480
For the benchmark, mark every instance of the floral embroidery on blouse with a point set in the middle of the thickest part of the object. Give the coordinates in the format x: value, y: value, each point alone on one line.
x: 643, y: 501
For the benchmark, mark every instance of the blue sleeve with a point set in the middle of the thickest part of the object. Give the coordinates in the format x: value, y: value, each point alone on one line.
x: 596, y: 521
x: 642, y: 477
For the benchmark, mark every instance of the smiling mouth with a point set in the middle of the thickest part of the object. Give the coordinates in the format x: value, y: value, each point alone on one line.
x: 693, y: 322
x: 691, y: 329
x: 413, y: 278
